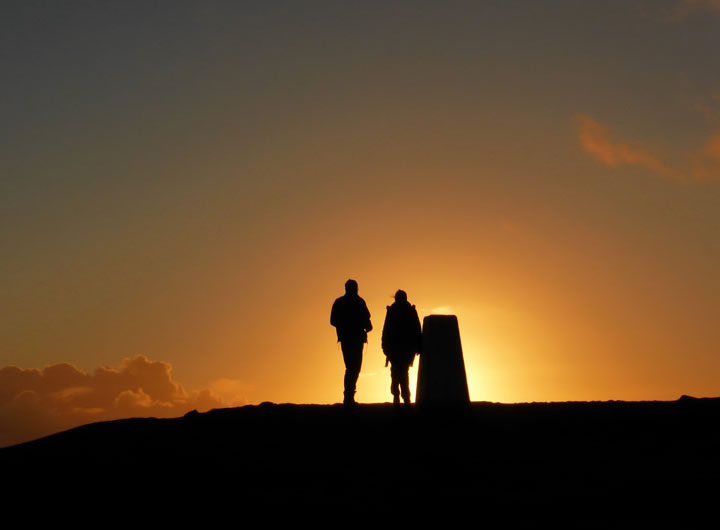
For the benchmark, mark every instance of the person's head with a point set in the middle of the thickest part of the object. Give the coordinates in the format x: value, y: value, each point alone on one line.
x: 400, y: 296
x: 351, y: 287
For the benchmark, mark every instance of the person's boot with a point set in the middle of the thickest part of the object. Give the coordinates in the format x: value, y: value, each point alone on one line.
x: 349, y: 399
x: 406, y: 398
x: 395, y: 391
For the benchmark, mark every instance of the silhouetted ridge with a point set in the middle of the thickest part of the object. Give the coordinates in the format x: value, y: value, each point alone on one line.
x: 602, y: 458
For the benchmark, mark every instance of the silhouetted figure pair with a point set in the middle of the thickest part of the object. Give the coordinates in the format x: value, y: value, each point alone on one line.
x: 351, y: 319
x: 401, y: 339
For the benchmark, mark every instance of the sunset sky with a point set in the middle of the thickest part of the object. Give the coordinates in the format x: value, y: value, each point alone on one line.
x: 185, y: 186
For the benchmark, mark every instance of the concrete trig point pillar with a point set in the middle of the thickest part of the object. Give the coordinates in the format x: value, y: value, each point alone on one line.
x: 441, y: 373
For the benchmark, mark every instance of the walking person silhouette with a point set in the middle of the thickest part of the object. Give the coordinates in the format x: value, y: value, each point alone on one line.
x: 401, y: 338
x: 351, y: 319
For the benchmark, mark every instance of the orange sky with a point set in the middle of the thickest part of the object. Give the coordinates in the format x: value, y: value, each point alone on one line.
x: 194, y: 185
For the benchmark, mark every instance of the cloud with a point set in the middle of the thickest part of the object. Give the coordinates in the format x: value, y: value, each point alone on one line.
x: 595, y: 139
x: 709, y: 107
x: 35, y: 403
x: 130, y: 399
x: 232, y: 391
x: 687, y: 7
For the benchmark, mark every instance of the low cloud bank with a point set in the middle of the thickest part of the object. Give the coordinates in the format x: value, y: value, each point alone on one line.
x: 35, y: 403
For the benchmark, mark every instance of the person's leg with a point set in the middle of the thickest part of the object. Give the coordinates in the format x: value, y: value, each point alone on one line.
x: 405, y: 383
x: 395, y: 382
x: 403, y: 377
x: 352, y: 354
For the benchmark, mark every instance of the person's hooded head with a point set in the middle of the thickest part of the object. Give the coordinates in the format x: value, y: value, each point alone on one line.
x: 401, y: 297
x: 351, y: 287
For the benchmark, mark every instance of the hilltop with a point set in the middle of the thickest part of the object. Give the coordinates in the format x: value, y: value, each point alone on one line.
x: 584, y: 459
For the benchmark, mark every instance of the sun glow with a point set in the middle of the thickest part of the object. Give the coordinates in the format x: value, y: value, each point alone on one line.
x: 374, y: 383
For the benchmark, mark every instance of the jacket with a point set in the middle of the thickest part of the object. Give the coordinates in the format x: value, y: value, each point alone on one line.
x: 351, y: 318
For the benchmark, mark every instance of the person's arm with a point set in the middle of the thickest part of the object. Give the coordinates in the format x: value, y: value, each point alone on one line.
x: 386, y: 332
x: 368, y: 324
x: 417, y: 331
x: 334, y: 314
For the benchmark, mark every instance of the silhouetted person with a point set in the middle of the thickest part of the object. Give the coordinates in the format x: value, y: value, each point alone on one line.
x: 351, y: 319
x: 401, y: 339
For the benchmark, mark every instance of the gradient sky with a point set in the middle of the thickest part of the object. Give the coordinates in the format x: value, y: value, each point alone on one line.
x: 193, y: 182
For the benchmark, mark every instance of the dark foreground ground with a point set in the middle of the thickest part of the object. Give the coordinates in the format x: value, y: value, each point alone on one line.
x: 590, y: 463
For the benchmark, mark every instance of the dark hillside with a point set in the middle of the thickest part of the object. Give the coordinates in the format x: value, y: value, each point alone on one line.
x: 595, y: 461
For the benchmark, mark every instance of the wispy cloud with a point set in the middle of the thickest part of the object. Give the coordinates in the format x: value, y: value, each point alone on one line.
x: 233, y: 391
x: 596, y: 140
x: 35, y: 403
x: 687, y: 7
x: 709, y: 107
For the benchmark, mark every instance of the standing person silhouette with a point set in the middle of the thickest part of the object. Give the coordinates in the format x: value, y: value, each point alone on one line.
x: 351, y: 319
x: 400, y: 342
